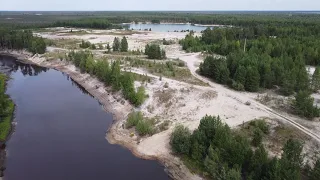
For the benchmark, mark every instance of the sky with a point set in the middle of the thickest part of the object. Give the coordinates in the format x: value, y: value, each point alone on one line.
x: 150, y: 5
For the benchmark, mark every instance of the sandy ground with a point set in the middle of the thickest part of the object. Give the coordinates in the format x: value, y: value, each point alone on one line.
x: 136, y: 41
x: 172, y: 100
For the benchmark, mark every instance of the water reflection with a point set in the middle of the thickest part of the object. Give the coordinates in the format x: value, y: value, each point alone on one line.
x: 8, y: 64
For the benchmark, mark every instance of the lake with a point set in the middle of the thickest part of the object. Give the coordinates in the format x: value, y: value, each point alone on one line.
x: 60, y: 132
x: 167, y: 27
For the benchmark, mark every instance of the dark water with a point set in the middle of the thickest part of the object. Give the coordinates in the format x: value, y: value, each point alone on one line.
x: 167, y: 27
x: 60, y: 133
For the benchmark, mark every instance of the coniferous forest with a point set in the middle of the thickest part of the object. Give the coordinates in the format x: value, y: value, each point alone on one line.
x: 219, y: 153
x: 21, y: 39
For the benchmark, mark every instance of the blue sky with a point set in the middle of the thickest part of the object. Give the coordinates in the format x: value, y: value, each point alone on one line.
x: 105, y: 5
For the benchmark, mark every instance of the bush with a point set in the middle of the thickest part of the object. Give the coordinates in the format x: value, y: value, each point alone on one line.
x: 85, y: 44
x: 181, y: 140
x: 144, y: 127
x: 133, y: 119
x: 237, y: 86
x: 260, y: 124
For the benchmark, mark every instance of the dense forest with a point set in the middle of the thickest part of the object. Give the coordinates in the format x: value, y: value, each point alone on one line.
x: 94, y: 23
x: 220, y: 153
x: 21, y: 39
x: 110, y: 74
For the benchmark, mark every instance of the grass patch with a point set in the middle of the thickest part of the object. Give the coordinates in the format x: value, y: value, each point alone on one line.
x: 174, y: 69
x: 145, y: 126
x: 64, y: 43
x: 141, y: 78
x: 55, y: 55
x: 5, y: 124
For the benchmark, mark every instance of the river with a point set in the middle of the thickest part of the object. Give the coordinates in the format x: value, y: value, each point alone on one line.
x: 60, y: 132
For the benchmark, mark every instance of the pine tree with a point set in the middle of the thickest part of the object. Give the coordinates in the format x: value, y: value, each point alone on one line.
x: 124, y: 44
x: 116, y: 44
x: 252, y: 79
x: 316, y: 79
x: 315, y: 172
x: 240, y: 75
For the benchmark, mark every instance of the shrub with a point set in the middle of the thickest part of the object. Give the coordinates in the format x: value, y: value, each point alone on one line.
x: 260, y: 124
x: 237, y: 86
x: 144, y: 127
x: 257, y: 137
x: 181, y: 140
x: 133, y: 119
x: 85, y: 44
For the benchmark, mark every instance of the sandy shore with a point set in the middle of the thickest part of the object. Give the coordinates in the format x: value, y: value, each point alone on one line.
x: 112, y: 103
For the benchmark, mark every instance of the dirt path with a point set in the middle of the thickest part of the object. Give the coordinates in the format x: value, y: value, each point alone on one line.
x: 193, y: 62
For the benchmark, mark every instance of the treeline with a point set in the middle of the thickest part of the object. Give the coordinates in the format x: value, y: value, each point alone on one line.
x: 6, y: 110
x: 21, y: 39
x: 154, y: 51
x: 222, y: 154
x: 94, y: 23
x: 110, y: 74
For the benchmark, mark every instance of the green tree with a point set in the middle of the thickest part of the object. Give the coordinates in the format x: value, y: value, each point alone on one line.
x: 116, y: 44
x: 315, y: 172
x: 291, y: 160
x: 316, y: 79
x: 252, y: 79
x: 180, y: 140
x: 108, y: 48
x: 124, y: 44
x: 304, y: 105
x: 240, y: 75
x: 257, y: 137
x: 258, y: 162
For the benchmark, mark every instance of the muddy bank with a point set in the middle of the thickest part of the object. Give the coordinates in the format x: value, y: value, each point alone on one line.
x: 113, y: 103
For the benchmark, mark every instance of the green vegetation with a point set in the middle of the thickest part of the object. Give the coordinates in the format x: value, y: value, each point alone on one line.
x: 116, y: 44
x: 63, y: 43
x: 315, y: 84
x: 94, y: 23
x: 6, y: 110
x: 155, y: 21
x: 174, y: 69
x: 303, y: 105
x: 111, y: 76
x: 260, y: 54
x: 87, y: 44
x: 124, y: 44
x: 21, y: 39
x: 165, y: 42
x: 219, y: 153
x: 133, y: 119
x: 154, y: 51
x: 143, y: 126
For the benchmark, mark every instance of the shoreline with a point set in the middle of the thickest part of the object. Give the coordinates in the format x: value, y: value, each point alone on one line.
x: 173, y: 166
